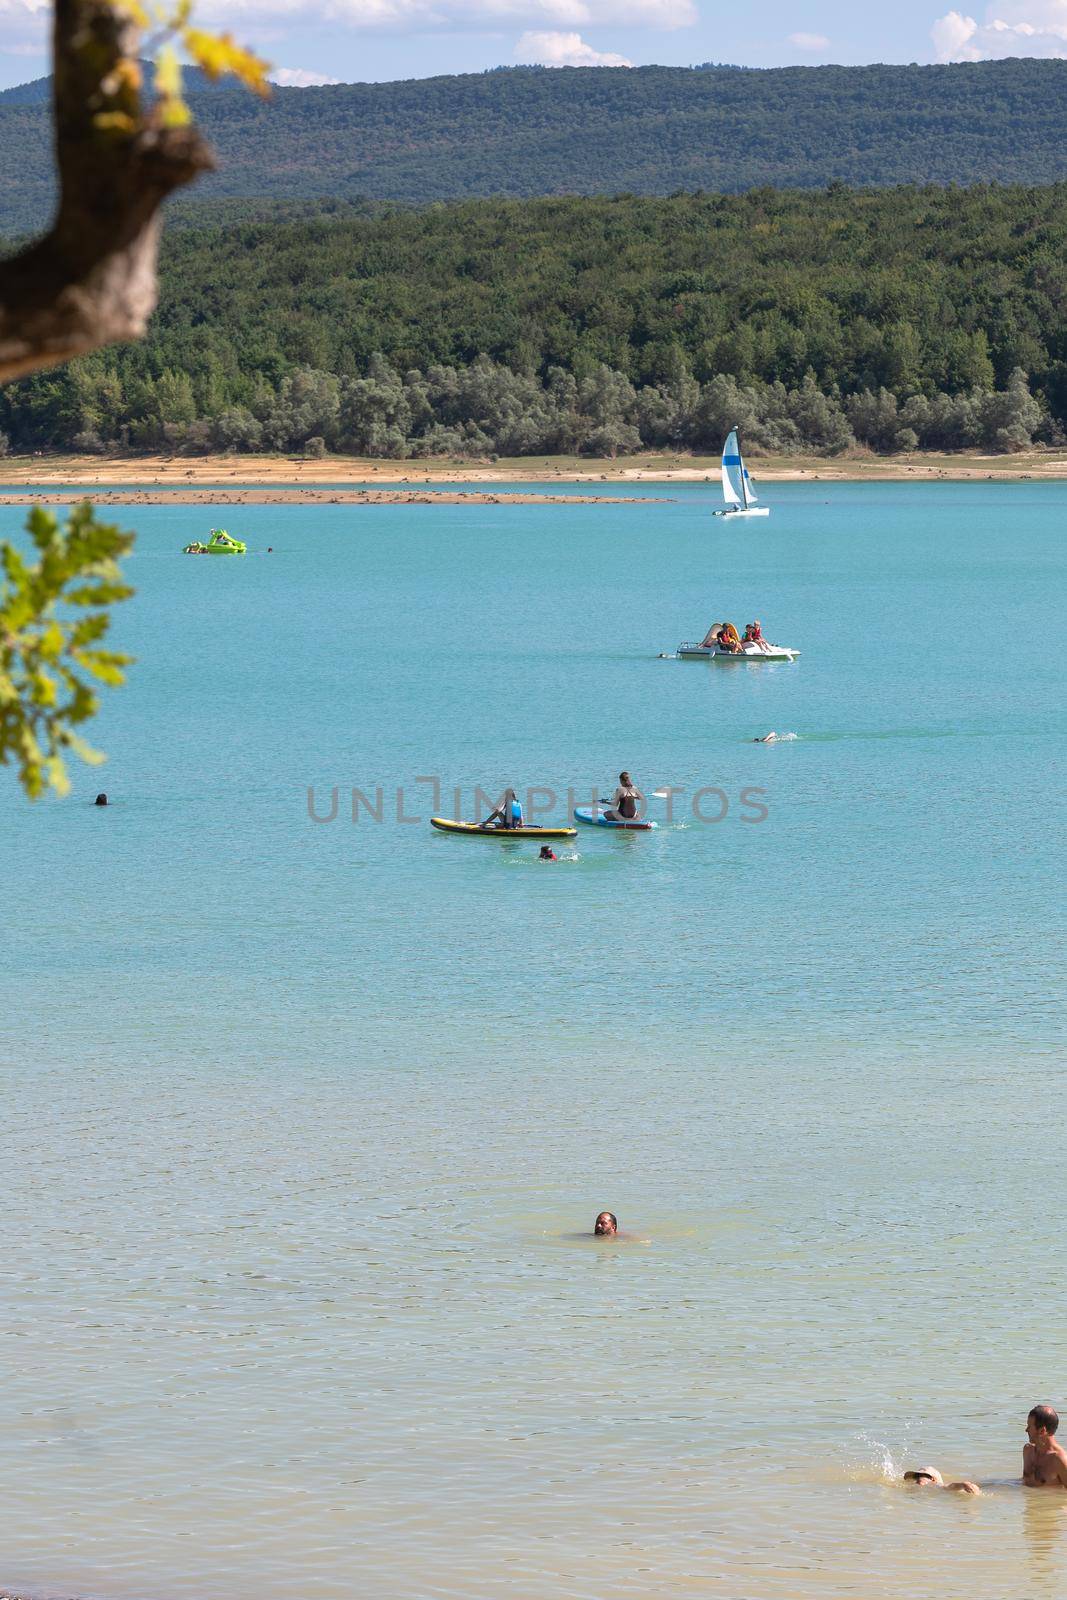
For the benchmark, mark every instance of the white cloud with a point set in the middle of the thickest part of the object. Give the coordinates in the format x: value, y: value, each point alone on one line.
x: 24, y: 26
x: 564, y: 50
x: 809, y: 41
x: 298, y: 78
x: 1030, y: 28
x: 419, y: 16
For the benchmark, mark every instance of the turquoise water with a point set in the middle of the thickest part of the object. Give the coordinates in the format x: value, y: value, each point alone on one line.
x: 300, y: 1114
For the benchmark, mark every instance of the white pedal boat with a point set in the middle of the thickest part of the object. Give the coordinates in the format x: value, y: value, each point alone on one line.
x: 747, y: 652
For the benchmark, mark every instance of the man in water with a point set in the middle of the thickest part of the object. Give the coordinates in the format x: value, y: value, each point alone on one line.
x: 930, y: 1478
x: 1044, y: 1459
x: 606, y: 1225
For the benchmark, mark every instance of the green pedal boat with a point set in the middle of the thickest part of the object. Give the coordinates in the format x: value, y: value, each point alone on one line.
x: 221, y: 543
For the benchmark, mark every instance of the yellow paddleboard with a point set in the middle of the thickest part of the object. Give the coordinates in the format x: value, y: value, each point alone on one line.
x: 447, y: 826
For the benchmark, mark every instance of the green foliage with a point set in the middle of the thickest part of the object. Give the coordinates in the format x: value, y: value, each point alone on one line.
x: 652, y: 130
x: 889, y: 317
x: 53, y: 618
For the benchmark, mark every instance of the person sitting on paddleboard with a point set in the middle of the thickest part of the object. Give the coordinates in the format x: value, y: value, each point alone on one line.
x: 626, y: 801
x: 508, y: 813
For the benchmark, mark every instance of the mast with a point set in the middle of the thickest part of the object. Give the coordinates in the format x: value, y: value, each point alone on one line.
x: 744, y: 474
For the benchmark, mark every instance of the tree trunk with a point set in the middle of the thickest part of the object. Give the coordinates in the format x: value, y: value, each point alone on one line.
x: 91, y: 280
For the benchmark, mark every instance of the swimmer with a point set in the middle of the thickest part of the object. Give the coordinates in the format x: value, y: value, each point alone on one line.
x: 547, y: 853
x: 1044, y: 1460
x: 606, y: 1225
x: 930, y: 1478
x: 767, y: 738
x: 101, y: 800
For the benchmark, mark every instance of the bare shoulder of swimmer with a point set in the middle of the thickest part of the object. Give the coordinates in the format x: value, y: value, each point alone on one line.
x: 965, y: 1486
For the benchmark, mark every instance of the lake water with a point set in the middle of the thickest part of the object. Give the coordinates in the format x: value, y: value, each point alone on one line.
x: 301, y: 1117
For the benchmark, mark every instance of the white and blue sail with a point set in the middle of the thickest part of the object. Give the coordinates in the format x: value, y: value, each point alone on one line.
x: 737, y: 488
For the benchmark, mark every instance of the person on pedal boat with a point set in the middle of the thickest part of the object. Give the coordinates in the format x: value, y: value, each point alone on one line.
x: 728, y: 640
x: 754, y: 635
x: 508, y: 813
x: 627, y: 802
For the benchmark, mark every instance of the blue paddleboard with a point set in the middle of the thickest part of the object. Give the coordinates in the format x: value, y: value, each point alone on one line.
x: 597, y: 819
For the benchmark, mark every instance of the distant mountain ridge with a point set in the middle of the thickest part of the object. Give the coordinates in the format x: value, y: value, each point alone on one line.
x: 650, y: 130
x: 38, y: 92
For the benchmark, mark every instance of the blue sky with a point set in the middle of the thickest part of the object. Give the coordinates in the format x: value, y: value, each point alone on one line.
x: 370, y: 40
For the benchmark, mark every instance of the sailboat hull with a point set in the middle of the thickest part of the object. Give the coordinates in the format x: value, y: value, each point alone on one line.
x: 741, y: 511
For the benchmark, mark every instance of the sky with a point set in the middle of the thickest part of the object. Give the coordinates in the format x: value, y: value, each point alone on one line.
x: 329, y: 41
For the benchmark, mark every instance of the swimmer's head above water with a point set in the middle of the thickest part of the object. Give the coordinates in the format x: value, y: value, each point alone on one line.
x: 930, y: 1478
x: 606, y: 1225
x: 1041, y: 1422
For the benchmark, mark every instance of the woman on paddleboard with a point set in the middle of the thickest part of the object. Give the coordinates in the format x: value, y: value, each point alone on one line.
x: 627, y: 802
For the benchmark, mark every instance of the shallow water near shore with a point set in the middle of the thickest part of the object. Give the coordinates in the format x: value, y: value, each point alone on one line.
x: 300, y: 1115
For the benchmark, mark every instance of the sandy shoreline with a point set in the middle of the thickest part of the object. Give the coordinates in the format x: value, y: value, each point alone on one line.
x: 295, y: 473
x: 309, y: 495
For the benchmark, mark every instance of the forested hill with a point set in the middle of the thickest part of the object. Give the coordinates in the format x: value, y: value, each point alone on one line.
x: 815, y: 319
x: 648, y: 130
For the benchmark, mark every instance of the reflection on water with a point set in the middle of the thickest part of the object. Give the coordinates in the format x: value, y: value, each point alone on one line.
x: 1045, y: 1528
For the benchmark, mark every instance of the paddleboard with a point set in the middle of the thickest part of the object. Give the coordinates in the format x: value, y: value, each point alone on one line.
x: 446, y: 825
x: 597, y: 819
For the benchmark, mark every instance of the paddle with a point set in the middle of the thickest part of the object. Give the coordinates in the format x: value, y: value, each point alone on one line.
x: 657, y: 794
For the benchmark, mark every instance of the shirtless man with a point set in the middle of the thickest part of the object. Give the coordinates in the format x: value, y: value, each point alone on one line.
x: 1044, y: 1459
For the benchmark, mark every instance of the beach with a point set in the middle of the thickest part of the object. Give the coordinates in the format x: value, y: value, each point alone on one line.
x: 307, y: 494
x: 294, y: 476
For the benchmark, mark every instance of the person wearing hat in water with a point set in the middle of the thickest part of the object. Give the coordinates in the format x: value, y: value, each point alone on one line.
x: 930, y: 1478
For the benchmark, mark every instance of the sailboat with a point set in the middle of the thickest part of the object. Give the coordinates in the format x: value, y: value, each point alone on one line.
x: 737, y: 488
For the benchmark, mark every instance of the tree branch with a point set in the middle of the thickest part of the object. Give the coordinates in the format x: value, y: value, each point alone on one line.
x: 91, y: 280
